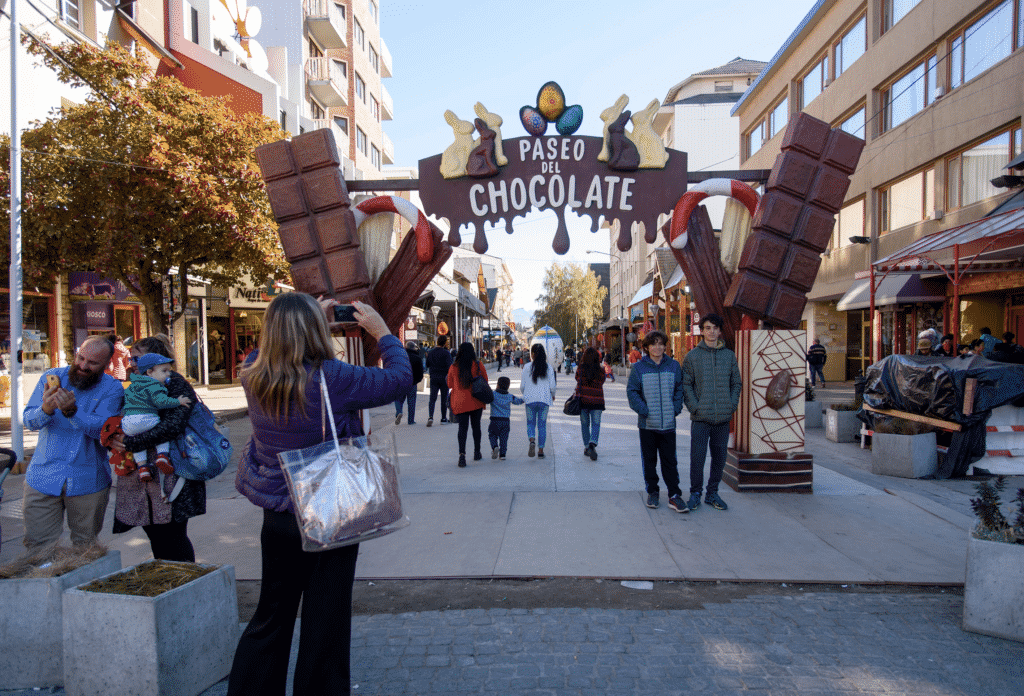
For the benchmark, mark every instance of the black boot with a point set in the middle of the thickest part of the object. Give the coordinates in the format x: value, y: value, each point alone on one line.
x: 462, y: 460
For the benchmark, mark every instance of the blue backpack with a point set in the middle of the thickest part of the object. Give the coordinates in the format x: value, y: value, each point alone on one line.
x: 202, y: 452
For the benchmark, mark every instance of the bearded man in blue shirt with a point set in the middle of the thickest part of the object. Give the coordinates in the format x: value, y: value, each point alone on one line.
x: 69, y: 471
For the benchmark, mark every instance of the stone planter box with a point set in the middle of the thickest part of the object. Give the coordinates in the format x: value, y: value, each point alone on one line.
x: 178, y: 643
x: 906, y: 456
x: 812, y: 415
x: 842, y: 426
x: 994, y: 589
x: 30, y: 623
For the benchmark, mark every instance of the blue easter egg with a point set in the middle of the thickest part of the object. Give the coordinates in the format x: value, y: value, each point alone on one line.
x: 570, y: 120
x: 533, y: 120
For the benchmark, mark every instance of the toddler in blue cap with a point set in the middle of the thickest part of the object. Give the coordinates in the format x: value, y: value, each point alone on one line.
x: 143, y: 399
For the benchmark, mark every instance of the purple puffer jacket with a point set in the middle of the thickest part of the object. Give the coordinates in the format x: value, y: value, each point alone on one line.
x: 259, y: 476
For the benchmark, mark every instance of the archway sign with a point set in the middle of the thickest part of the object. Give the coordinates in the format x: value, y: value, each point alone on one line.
x: 623, y: 177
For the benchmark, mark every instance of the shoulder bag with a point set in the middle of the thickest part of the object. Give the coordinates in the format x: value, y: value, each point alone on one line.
x: 344, y: 491
x: 481, y: 390
x: 203, y: 451
x: 572, y: 405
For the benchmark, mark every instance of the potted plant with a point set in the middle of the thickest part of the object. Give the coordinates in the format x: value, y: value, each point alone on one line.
x: 841, y: 423
x: 903, y: 448
x: 994, y: 584
x: 812, y: 409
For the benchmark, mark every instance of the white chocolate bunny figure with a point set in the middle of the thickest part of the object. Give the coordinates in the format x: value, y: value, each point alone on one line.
x: 652, y: 151
x: 493, y: 122
x: 608, y: 116
x: 454, y: 159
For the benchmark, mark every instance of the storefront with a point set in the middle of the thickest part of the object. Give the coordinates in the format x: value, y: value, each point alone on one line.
x: 101, y: 307
x: 38, y: 332
x: 246, y: 305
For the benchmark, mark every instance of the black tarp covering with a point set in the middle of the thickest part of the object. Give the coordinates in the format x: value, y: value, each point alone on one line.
x: 934, y: 387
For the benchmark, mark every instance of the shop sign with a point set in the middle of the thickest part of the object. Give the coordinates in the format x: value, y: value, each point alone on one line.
x: 253, y: 297
x: 92, y: 286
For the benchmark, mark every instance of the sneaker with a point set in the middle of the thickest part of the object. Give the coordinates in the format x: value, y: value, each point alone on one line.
x: 533, y: 448
x: 398, y: 419
x: 694, y: 502
x: 477, y: 456
x: 145, y: 473
x: 593, y: 452
x: 163, y: 463
x: 462, y: 461
x: 501, y: 457
x: 494, y: 453
x: 652, y: 501
x: 677, y: 504
x: 715, y: 501
x: 444, y: 420
x: 540, y: 453
x: 430, y: 422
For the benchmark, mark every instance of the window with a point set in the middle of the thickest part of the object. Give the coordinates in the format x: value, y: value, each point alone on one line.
x: 969, y: 173
x: 69, y: 12
x: 981, y: 45
x: 375, y: 156
x: 341, y: 9
x: 813, y: 83
x: 360, y: 34
x: 316, y: 111
x: 342, y: 123
x: 373, y: 11
x: 342, y: 67
x: 755, y: 139
x: 907, y: 201
x: 849, y: 223
x: 374, y: 60
x: 768, y: 128
x: 851, y: 46
x: 361, y: 141
x: 909, y: 94
x: 895, y: 10
x: 375, y: 109
x: 191, y: 17
x: 360, y: 88
x: 284, y: 119
x: 854, y: 125
x: 723, y: 85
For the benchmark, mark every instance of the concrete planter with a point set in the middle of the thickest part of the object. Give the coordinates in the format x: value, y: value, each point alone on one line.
x: 994, y: 589
x: 906, y: 456
x: 812, y: 415
x: 178, y: 643
x: 30, y: 622
x: 842, y: 426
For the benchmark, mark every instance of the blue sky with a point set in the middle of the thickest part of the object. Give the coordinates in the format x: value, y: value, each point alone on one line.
x: 453, y: 53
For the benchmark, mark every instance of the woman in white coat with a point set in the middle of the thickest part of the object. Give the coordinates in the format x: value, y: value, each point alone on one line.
x: 538, y: 385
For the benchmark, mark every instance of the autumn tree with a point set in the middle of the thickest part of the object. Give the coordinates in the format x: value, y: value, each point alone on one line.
x: 571, y: 302
x: 147, y: 175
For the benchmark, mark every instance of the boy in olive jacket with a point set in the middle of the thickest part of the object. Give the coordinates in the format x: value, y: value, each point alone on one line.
x: 711, y: 391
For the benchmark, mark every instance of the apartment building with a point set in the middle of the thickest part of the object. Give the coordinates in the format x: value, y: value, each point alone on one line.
x: 935, y: 89
x: 334, y: 61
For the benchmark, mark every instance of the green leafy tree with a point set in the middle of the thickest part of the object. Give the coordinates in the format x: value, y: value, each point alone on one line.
x: 571, y: 302
x: 147, y: 175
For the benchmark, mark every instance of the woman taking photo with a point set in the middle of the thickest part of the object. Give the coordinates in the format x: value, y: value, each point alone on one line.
x: 282, y: 388
x: 590, y: 388
x: 538, y: 385
x: 465, y: 408
x: 143, y: 504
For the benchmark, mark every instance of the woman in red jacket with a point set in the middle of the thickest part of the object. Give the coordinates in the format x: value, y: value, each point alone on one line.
x: 465, y: 408
x: 590, y: 387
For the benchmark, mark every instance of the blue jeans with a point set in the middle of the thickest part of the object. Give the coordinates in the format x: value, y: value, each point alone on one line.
x: 816, y: 370
x: 701, y: 436
x: 590, y: 425
x: 537, y: 420
x: 409, y: 396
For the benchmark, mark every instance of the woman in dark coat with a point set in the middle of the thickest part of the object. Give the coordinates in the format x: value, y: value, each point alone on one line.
x: 590, y: 386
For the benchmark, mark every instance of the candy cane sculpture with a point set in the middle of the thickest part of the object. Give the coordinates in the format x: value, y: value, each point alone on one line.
x: 415, y: 217
x: 711, y: 187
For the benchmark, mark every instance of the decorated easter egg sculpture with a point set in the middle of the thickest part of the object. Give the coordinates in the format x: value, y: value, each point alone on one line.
x: 551, y: 101
x: 570, y: 120
x: 533, y: 121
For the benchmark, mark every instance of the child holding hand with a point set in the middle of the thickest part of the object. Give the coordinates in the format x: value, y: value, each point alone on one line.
x: 501, y: 411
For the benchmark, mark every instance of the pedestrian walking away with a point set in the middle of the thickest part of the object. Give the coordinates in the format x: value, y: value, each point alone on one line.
x: 286, y: 410
x: 465, y: 408
x: 538, y: 384
x: 655, y: 392
x: 417, y: 376
x: 501, y: 424
x: 816, y: 358
x: 711, y: 390
x: 68, y: 473
x: 590, y: 388
x: 438, y: 361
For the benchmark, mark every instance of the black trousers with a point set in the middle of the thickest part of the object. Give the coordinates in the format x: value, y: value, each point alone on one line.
x: 465, y: 419
x: 655, y: 444
x: 170, y: 541
x: 497, y: 432
x: 323, y: 581
x: 438, y: 385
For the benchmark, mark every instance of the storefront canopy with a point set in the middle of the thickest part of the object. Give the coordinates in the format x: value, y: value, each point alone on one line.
x: 902, y: 289
x: 645, y: 291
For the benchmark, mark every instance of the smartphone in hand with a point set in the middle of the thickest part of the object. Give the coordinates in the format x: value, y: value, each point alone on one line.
x: 345, y: 313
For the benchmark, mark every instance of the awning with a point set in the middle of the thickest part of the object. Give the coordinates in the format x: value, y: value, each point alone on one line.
x: 901, y: 289
x: 994, y: 243
x: 645, y: 291
x: 677, y: 277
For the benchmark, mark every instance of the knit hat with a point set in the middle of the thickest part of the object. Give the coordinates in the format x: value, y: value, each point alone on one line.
x: 923, y: 343
x: 148, y: 361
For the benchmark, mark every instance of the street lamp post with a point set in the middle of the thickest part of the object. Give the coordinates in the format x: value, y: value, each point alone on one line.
x: 435, y: 310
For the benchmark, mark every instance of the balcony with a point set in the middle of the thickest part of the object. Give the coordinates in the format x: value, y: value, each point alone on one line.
x: 385, y: 59
x: 325, y: 22
x: 387, y: 148
x: 340, y: 136
x: 387, y: 106
x: 326, y: 82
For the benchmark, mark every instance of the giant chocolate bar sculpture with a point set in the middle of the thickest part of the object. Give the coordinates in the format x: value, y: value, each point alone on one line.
x: 318, y: 232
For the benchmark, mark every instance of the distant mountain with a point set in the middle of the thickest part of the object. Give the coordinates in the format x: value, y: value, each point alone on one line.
x: 523, y: 316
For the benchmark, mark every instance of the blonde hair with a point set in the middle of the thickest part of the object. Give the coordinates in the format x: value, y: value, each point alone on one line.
x: 294, y: 333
